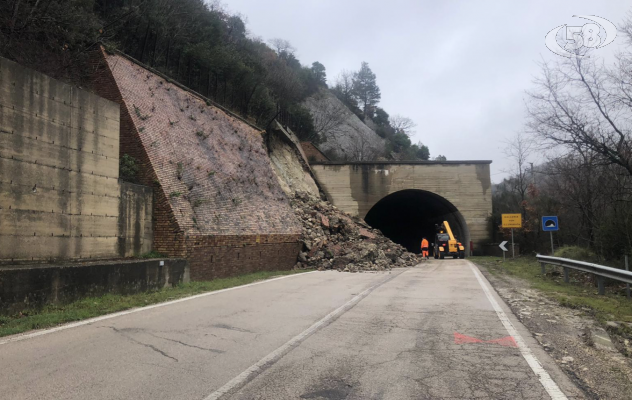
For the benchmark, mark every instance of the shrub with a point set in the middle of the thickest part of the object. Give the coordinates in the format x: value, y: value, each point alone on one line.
x: 180, y: 170
x: 152, y: 254
x: 128, y: 168
x: 576, y: 253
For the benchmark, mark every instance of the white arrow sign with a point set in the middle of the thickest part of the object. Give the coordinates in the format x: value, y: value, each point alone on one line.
x: 502, y: 246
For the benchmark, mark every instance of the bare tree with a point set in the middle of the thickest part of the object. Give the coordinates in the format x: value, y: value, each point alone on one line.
x: 217, y: 6
x: 344, y: 87
x: 518, y: 149
x: 363, y: 147
x: 282, y: 46
x: 402, y: 124
x: 328, y: 114
x: 579, y: 104
x: 580, y: 184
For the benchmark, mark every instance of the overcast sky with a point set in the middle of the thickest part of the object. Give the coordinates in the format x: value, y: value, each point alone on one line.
x: 459, y: 69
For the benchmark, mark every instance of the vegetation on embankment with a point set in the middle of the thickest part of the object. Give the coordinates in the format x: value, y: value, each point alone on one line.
x: 577, y: 253
x: 586, y: 255
x: 200, y: 44
x: 573, y: 159
x: 90, y: 307
x: 580, y: 293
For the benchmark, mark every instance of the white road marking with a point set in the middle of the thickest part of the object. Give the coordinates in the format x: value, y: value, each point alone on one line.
x: 249, y: 374
x: 21, y: 337
x: 545, y: 379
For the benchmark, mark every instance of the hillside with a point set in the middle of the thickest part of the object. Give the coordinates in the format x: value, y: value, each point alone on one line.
x: 206, y: 48
x: 344, y: 135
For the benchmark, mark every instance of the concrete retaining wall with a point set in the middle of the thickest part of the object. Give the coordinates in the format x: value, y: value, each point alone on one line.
x: 34, y: 286
x: 60, y: 197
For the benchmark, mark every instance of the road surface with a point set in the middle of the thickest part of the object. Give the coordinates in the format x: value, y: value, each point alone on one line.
x: 436, y: 331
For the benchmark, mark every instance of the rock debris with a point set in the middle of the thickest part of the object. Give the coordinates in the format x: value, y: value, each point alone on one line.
x: 332, y: 239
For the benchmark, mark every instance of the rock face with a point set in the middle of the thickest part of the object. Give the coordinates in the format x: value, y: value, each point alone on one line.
x: 346, y: 136
x: 334, y: 240
x: 285, y: 158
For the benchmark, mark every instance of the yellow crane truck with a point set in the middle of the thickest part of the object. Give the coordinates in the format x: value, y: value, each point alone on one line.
x: 445, y: 243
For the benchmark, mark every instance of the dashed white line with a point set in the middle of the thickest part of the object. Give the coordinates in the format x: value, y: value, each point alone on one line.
x: 545, y: 379
x: 249, y: 374
x: 18, y: 338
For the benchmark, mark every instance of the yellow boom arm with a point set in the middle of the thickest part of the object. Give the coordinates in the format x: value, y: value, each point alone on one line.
x: 453, y: 245
x: 446, y: 226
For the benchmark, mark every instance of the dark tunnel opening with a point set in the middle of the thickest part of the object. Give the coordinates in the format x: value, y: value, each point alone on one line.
x: 407, y: 216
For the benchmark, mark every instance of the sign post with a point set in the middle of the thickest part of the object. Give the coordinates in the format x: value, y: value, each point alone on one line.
x: 513, y: 246
x: 550, y: 224
x: 512, y: 221
x: 503, y: 248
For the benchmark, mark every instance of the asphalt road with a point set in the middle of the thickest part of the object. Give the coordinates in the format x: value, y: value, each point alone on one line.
x: 436, y: 331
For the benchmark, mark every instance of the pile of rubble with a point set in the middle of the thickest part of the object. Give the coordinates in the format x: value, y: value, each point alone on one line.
x: 334, y: 240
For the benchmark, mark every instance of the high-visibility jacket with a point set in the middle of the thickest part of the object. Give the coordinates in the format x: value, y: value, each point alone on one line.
x: 424, y: 244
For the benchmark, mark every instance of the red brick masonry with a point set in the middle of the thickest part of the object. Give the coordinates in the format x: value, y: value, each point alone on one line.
x: 217, y: 200
x: 313, y: 153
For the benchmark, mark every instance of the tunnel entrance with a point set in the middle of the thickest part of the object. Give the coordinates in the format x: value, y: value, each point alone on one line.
x: 407, y: 216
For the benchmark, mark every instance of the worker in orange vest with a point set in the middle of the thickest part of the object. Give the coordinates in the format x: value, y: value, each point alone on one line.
x: 424, y: 248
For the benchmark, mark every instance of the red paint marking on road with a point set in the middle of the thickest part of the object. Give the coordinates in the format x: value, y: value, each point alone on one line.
x: 463, y: 339
x: 507, y: 341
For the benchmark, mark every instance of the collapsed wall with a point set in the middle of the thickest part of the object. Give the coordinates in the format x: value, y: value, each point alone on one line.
x: 330, y: 238
x: 290, y: 162
x: 218, y: 202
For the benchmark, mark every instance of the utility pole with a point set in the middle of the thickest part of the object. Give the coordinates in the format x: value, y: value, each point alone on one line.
x: 532, y: 173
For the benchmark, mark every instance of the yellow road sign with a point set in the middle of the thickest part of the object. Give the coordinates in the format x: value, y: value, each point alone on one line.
x: 512, y: 220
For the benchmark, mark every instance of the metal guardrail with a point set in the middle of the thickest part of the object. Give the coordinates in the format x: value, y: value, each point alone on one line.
x: 599, y: 270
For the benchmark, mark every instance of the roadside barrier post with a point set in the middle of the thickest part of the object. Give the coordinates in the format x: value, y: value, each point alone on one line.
x: 566, y: 275
x: 543, y: 268
x: 627, y: 268
x: 601, y: 285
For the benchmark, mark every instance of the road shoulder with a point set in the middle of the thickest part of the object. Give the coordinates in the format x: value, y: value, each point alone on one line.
x: 564, y: 335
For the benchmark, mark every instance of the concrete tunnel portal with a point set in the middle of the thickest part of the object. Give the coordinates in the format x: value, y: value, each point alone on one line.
x: 409, y: 215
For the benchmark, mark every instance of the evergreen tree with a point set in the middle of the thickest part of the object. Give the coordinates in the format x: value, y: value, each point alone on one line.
x: 365, y: 89
x: 423, y: 153
x: 319, y: 74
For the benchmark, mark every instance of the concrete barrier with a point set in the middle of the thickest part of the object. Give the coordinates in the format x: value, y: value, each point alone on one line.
x: 25, y: 286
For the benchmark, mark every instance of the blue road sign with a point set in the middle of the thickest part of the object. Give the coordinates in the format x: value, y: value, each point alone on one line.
x: 550, y: 224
